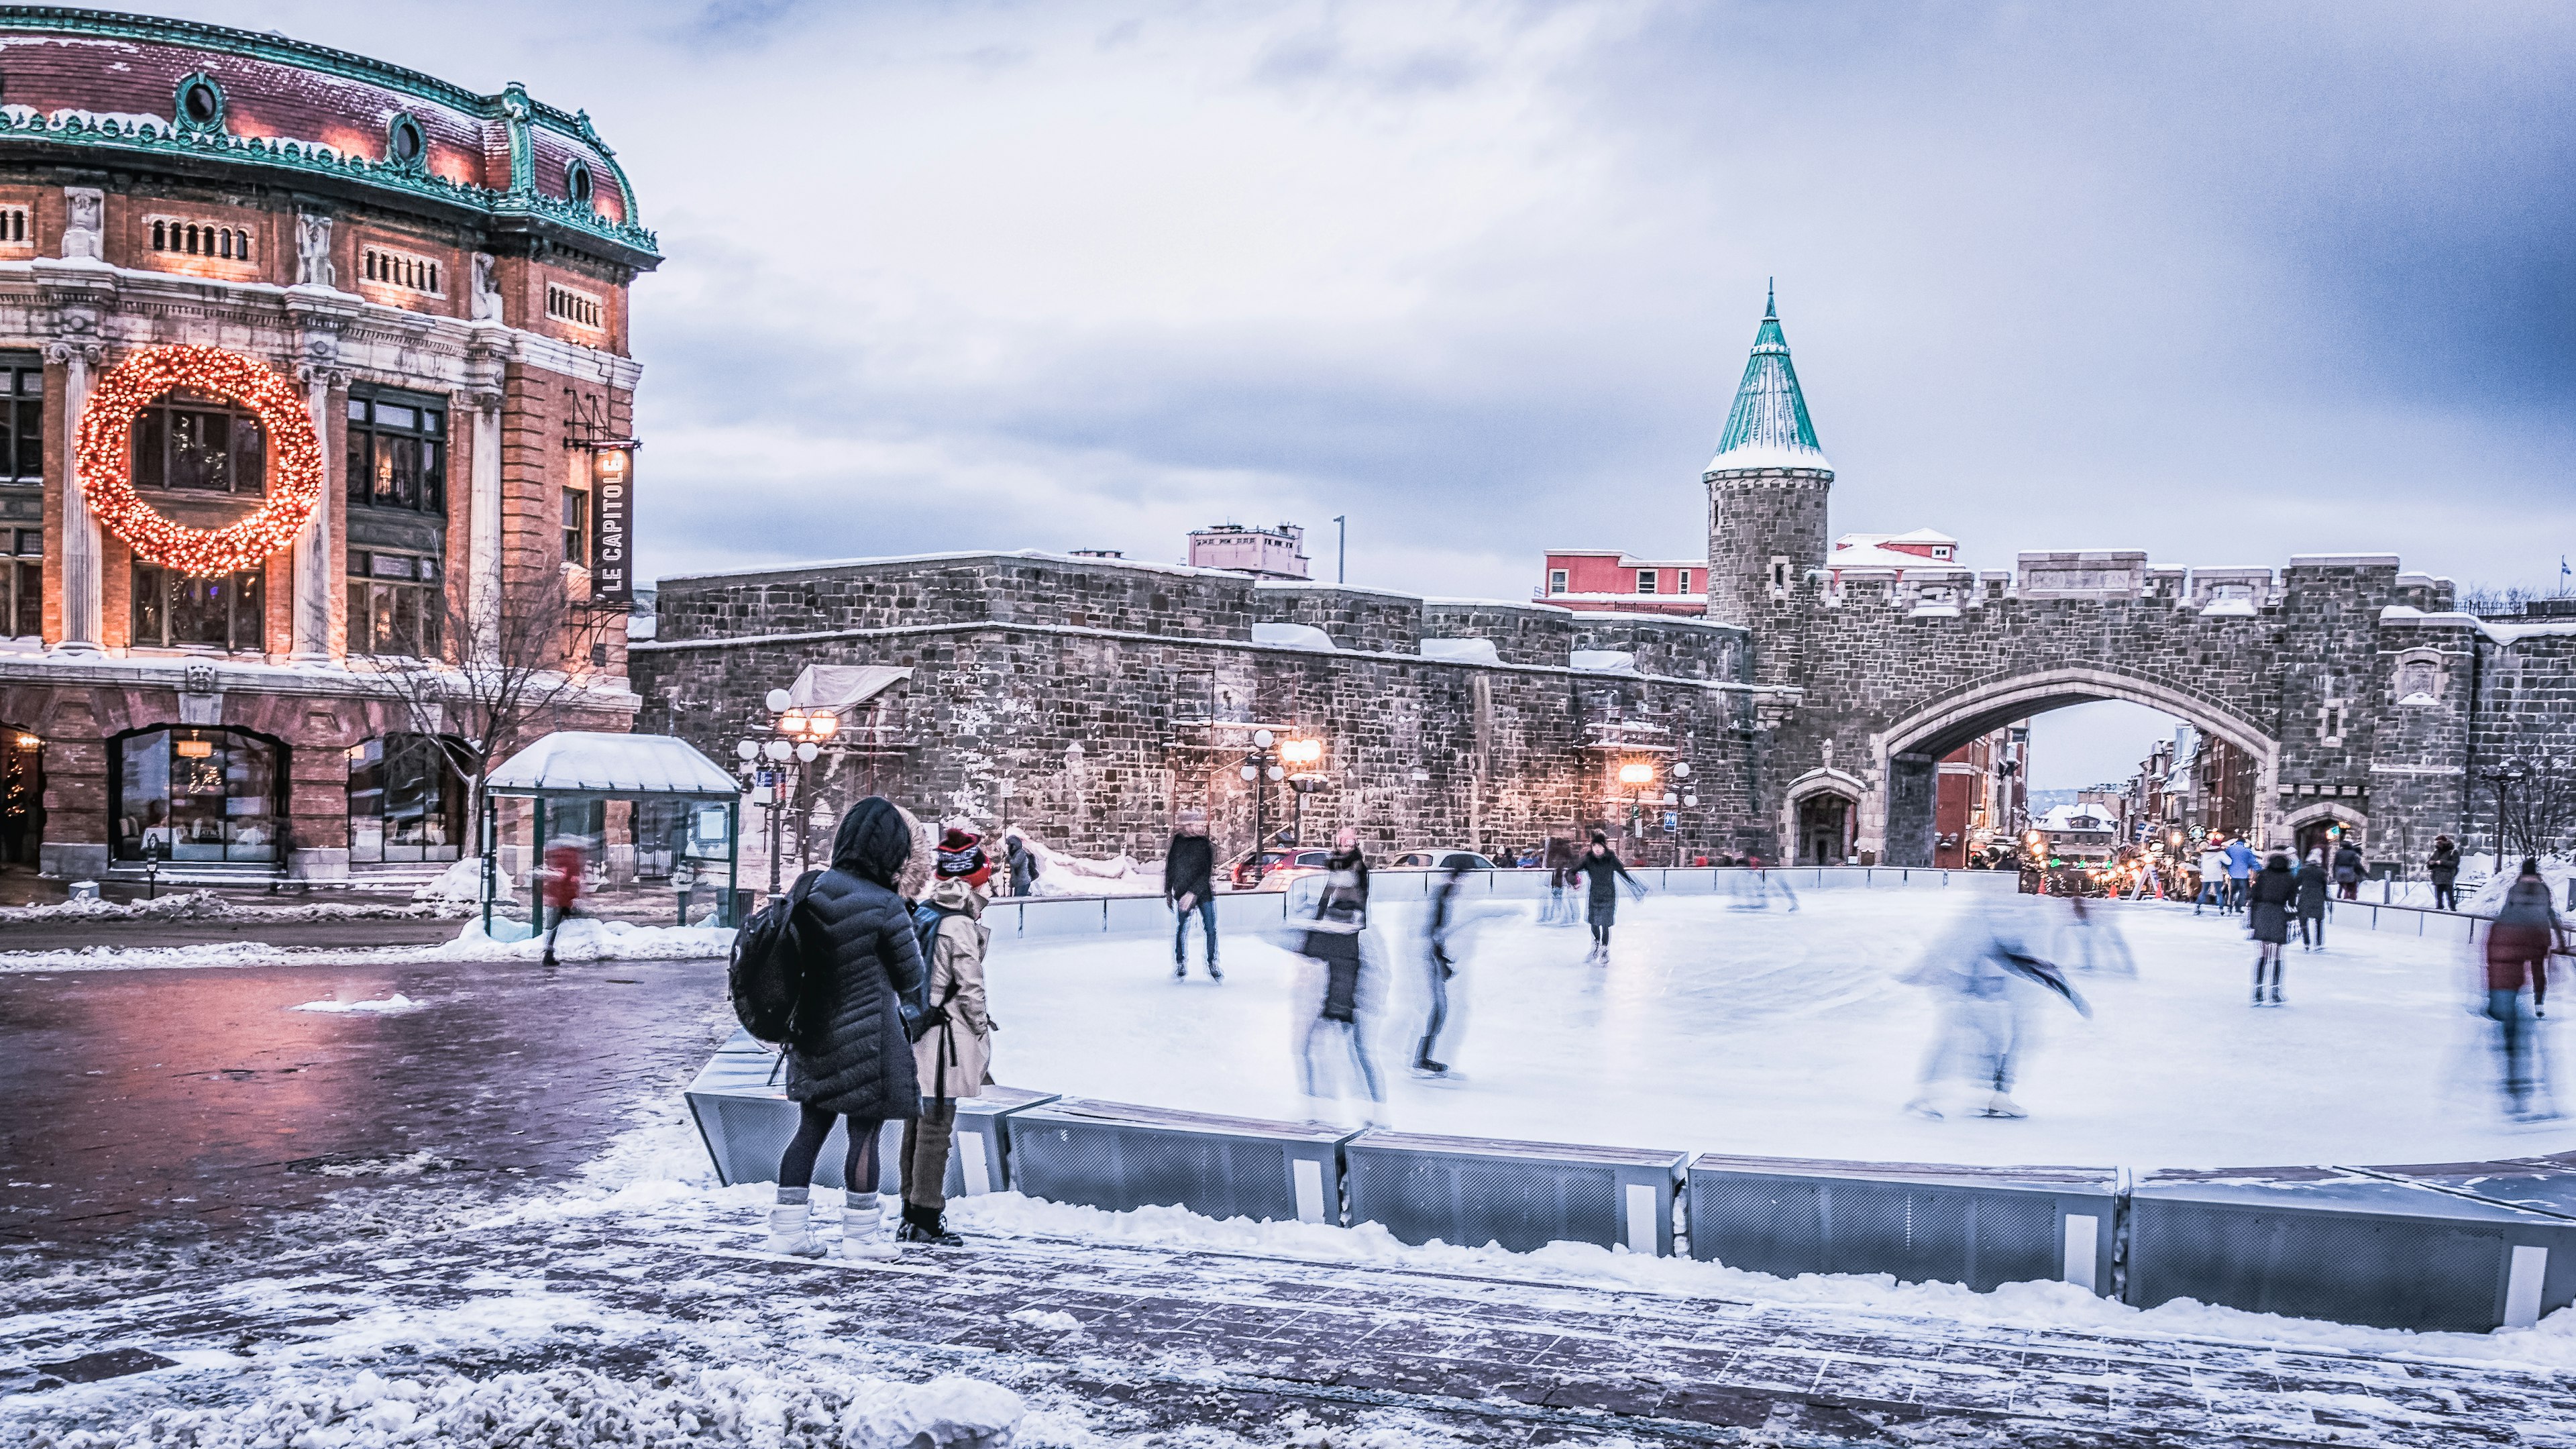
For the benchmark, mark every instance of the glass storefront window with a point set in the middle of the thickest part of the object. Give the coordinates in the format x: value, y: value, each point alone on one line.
x: 200, y: 794
x: 406, y: 801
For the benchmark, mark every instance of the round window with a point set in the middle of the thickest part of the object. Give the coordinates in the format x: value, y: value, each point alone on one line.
x: 200, y: 102
x: 577, y: 183
x: 406, y: 145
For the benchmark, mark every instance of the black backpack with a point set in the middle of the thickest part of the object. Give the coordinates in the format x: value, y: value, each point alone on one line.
x: 767, y: 976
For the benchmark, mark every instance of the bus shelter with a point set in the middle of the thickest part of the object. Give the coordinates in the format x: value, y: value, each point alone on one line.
x: 574, y: 774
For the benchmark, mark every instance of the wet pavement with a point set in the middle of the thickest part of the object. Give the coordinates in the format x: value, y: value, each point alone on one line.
x: 180, y: 1105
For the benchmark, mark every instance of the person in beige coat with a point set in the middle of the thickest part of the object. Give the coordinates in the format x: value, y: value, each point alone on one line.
x: 952, y: 1056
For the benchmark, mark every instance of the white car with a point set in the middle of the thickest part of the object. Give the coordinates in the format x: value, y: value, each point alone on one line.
x: 1440, y: 860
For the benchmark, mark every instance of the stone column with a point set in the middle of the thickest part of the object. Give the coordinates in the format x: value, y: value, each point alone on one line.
x: 80, y: 544
x: 316, y: 557
x: 483, y: 539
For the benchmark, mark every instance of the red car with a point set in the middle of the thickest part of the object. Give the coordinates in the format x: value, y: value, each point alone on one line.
x: 1278, y: 867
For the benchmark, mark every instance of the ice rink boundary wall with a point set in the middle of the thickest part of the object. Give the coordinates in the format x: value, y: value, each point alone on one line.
x: 2462, y: 1247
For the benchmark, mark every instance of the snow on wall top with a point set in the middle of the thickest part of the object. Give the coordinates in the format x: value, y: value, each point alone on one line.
x: 593, y: 762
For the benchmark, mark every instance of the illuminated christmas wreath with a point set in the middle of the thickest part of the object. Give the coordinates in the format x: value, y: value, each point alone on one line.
x: 295, y: 473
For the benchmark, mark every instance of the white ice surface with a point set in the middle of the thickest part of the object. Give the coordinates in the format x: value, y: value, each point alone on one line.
x: 1785, y: 1034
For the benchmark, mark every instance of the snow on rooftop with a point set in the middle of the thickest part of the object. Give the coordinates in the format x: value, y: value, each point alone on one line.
x: 1293, y: 636
x: 1461, y: 651
x: 593, y: 762
x: 1769, y: 455
x: 1616, y: 661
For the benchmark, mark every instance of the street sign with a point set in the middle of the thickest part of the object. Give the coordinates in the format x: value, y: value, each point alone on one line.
x: 1672, y: 821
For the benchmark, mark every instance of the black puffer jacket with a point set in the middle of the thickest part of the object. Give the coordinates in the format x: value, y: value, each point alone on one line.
x: 848, y: 1052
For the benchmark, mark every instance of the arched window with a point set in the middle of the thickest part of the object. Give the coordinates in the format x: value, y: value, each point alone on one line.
x: 197, y: 794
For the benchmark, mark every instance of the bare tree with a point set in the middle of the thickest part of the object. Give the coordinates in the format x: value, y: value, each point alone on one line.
x: 2492, y: 600
x: 2535, y: 803
x: 519, y: 665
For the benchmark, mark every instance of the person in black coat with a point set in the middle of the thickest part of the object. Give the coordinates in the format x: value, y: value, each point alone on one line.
x: 849, y: 1048
x: 2269, y: 893
x: 1333, y: 942
x: 2312, y: 902
x: 1189, y: 885
x: 1604, y: 872
x: 2348, y: 870
x: 2443, y: 865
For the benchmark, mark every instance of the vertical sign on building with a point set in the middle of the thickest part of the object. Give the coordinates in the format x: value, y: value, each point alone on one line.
x: 612, y: 492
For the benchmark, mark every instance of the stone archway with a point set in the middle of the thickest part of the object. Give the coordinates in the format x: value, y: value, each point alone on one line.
x: 2297, y: 823
x: 1798, y: 805
x: 1897, y: 816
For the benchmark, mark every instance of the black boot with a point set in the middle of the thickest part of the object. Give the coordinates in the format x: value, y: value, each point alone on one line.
x: 923, y: 1225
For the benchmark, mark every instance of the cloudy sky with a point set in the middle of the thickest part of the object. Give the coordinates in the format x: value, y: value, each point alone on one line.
x: 2225, y: 282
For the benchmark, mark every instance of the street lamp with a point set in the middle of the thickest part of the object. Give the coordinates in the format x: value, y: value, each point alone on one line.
x: 1305, y: 781
x: 1261, y: 770
x: 1637, y: 776
x: 2508, y: 773
x: 798, y: 737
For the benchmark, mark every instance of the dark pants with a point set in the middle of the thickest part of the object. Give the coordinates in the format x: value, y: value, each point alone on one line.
x: 2505, y: 1005
x: 925, y: 1153
x: 2267, y: 954
x: 1605, y: 912
x: 1206, y: 912
x: 2235, y: 894
x: 858, y: 1169
x: 1439, y: 1018
x: 2305, y: 921
x: 2348, y: 890
x: 2446, y: 896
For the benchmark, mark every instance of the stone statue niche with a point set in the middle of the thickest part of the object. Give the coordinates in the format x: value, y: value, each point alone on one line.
x: 313, y: 251
x: 487, y: 289
x: 84, y: 223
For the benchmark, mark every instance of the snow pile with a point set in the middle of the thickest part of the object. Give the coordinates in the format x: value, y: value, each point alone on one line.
x: 1072, y: 875
x: 806, y: 1405
x: 584, y: 938
x: 206, y: 905
x: 1293, y: 636
x: 1615, y: 661
x: 1461, y: 651
x: 2488, y: 899
x: 393, y: 1005
x: 2228, y: 609
x: 463, y: 881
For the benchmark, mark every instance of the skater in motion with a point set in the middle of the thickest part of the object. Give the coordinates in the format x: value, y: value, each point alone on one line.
x: 1603, y: 872
x: 2312, y: 902
x: 1333, y: 942
x: 1560, y: 870
x: 2094, y: 942
x: 849, y: 1052
x: 1983, y: 973
x: 1440, y: 963
x: 2526, y: 932
x: 1189, y: 884
x: 2268, y: 899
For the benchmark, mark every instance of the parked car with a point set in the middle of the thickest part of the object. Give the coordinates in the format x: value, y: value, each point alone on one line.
x: 1278, y: 867
x: 1439, y: 860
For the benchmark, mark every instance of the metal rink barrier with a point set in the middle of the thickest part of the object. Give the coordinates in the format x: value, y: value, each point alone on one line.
x: 1471, y: 1191
x: 739, y: 1102
x: 1982, y: 1227
x: 1118, y: 1157
x: 2352, y: 1248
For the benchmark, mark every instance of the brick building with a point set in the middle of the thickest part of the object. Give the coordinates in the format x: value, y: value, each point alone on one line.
x: 409, y: 389
x: 1607, y: 580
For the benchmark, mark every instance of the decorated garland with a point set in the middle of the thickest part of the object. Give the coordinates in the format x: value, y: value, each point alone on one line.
x: 295, y: 473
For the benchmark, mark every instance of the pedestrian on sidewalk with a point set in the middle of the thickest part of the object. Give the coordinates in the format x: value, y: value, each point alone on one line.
x: 2526, y: 932
x: 2443, y: 865
x: 565, y: 861
x: 2312, y: 902
x: 2269, y: 898
x: 1023, y: 862
x: 2240, y: 866
x: 1441, y: 963
x: 1603, y: 872
x: 2348, y: 871
x: 955, y: 1050
x: 849, y: 1052
x: 2213, y: 876
x: 1333, y: 942
x: 1189, y: 885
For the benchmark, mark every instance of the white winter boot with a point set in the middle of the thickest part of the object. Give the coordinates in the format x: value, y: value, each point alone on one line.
x: 2000, y: 1105
x: 788, y: 1232
x: 863, y: 1227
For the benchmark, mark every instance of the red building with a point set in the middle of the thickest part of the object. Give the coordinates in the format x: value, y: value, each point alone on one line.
x: 1605, y: 578
x: 1982, y: 796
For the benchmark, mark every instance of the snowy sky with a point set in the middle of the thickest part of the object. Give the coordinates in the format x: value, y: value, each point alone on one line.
x: 2225, y: 282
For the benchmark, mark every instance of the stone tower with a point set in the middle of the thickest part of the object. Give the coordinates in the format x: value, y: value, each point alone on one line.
x: 1766, y: 490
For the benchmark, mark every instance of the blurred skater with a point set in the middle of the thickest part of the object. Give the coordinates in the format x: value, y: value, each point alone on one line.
x: 2094, y: 942
x: 1560, y: 870
x: 1603, y: 872
x: 2526, y: 931
x: 2213, y: 876
x: 2240, y: 869
x: 2268, y: 898
x: 1333, y: 941
x: 1189, y: 884
x: 2443, y: 865
x: 1983, y: 973
x: 2312, y: 902
x: 1441, y: 963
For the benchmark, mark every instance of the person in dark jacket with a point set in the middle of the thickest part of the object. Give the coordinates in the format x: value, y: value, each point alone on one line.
x: 2443, y: 865
x: 1022, y: 863
x: 1333, y: 941
x: 2519, y: 944
x: 2348, y: 871
x: 2312, y: 902
x: 1440, y: 957
x: 1189, y: 885
x: 1604, y: 872
x: 849, y: 1049
x: 2269, y: 894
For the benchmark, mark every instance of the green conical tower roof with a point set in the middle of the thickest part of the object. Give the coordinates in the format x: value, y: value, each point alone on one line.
x: 1769, y: 426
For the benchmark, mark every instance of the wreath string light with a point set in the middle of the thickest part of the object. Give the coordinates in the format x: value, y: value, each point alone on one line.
x: 295, y: 473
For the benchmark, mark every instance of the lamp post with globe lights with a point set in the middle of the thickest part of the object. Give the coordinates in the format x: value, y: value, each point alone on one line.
x: 1260, y: 770
x: 797, y: 738
x: 1302, y: 756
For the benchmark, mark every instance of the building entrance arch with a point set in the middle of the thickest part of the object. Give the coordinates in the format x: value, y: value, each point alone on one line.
x: 1820, y: 816
x: 1910, y: 749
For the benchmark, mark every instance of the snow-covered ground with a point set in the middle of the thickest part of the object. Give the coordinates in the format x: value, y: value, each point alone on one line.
x: 1783, y: 1034
x: 582, y: 939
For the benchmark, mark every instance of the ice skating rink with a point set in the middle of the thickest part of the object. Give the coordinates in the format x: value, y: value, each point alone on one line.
x: 1722, y: 1029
